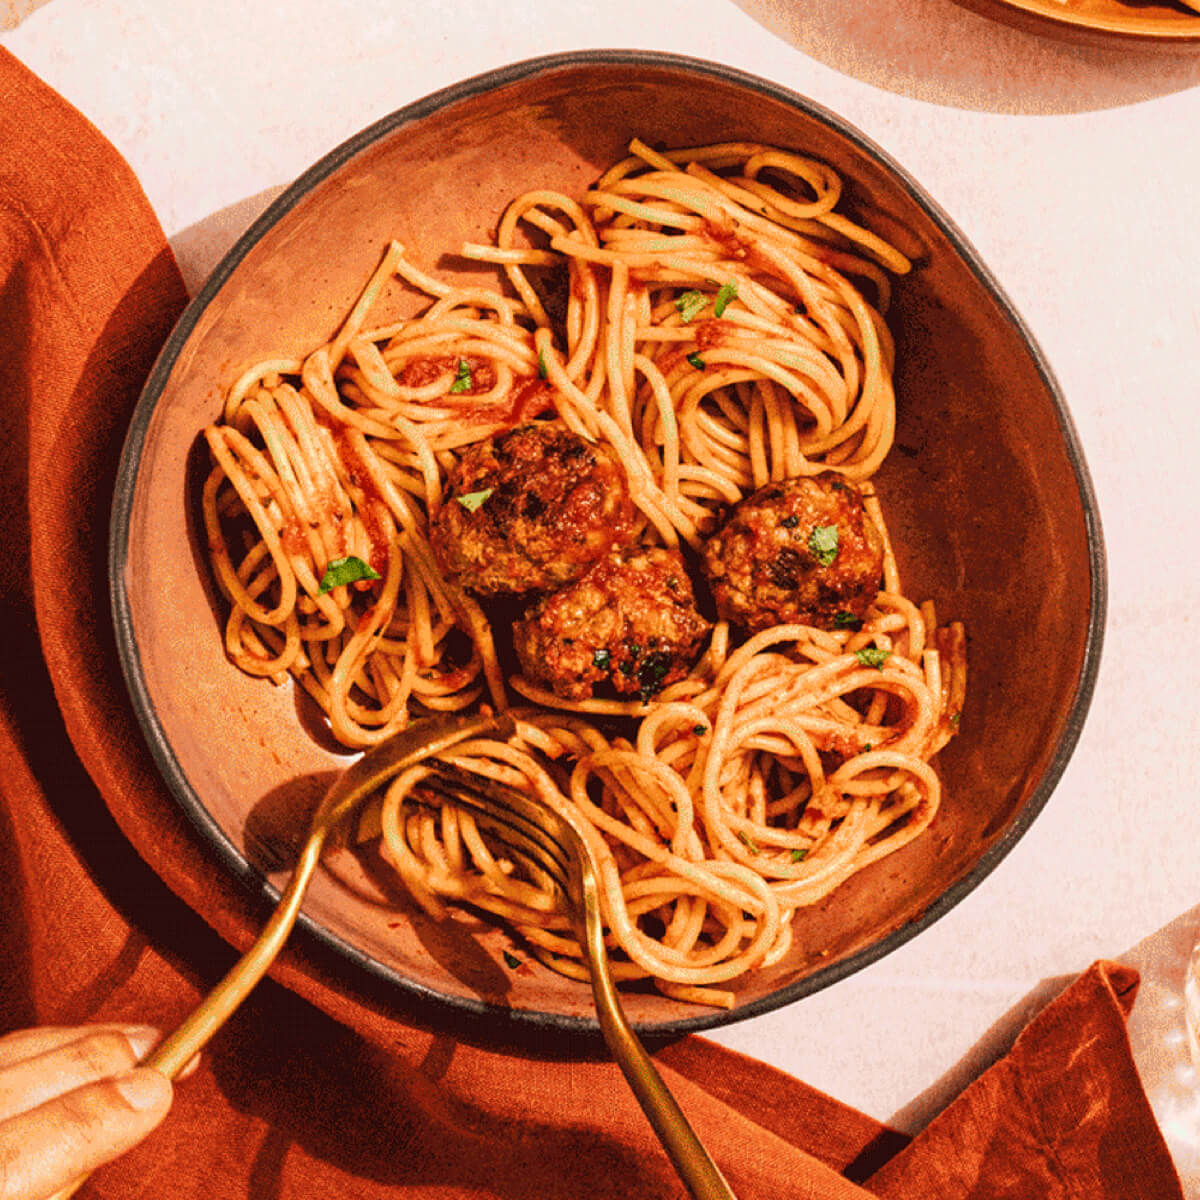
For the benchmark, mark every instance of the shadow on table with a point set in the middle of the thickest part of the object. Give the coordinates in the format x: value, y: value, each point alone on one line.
x: 937, y: 51
x: 200, y: 247
x: 996, y: 1042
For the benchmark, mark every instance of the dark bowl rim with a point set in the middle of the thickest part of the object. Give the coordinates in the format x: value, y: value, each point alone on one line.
x: 500, y: 1019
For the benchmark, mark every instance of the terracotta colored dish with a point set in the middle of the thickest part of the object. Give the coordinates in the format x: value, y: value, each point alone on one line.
x: 1164, y: 21
x: 986, y: 492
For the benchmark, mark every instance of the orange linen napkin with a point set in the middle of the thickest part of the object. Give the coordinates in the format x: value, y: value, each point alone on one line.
x: 325, y: 1087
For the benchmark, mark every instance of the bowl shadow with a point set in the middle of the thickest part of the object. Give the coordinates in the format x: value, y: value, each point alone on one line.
x: 940, y: 52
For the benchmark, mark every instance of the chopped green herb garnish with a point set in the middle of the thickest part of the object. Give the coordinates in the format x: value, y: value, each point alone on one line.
x: 728, y: 292
x: 512, y: 960
x: 541, y: 366
x: 790, y: 521
x: 462, y: 377
x: 696, y: 361
x: 846, y: 620
x: 868, y: 747
x: 872, y: 656
x: 799, y: 855
x: 345, y: 570
x: 473, y: 501
x: 651, y: 673
x: 955, y: 718
x: 699, y: 730
x: 748, y: 841
x: 689, y: 304
x: 601, y: 659
x: 823, y: 543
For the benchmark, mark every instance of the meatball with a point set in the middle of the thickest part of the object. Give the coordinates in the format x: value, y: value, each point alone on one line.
x: 631, y: 620
x: 802, y: 551
x: 530, y: 510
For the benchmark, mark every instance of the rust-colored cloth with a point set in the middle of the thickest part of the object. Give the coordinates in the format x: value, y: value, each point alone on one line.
x: 324, y: 1087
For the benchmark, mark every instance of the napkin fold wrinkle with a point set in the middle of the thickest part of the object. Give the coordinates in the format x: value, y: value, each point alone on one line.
x: 112, y: 910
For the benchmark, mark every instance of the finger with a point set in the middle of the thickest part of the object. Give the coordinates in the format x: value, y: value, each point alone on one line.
x: 48, y: 1147
x: 25, y: 1043
x: 92, y: 1055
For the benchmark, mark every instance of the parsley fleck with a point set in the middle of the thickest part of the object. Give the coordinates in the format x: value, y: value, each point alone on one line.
x: 748, y: 841
x: 473, y: 501
x: 688, y: 305
x: 955, y: 718
x: 345, y: 570
x: 696, y: 361
x: 699, y: 730
x: 652, y: 672
x: 823, y: 543
x: 868, y: 747
x: 541, y: 366
x: 872, y: 656
x: 512, y: 960
x: 790, y: 521
x: 799, y: 855
x: 728, y: 292
x: 846, y: 620
x: 601, y: 659
x: 462, y: 377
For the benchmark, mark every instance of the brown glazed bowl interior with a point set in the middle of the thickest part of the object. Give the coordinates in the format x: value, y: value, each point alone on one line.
x: 1169, y: 22
x: 986, y: 493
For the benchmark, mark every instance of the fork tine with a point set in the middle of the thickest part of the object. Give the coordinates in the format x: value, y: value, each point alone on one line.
x: 493, y: 813
x: 528, y: 816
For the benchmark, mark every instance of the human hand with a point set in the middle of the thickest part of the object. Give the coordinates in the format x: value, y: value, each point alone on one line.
x: 72, y: 1099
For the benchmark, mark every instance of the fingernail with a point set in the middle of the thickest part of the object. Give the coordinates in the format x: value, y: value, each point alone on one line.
x: 142, y: 1089
x: 143, y: 1039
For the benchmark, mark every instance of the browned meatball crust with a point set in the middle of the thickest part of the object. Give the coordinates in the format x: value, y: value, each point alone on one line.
x: 802, y: 551
x: 631, y: 621
x: 530, y: 510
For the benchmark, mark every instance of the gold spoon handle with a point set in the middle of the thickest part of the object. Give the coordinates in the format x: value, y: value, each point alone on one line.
x: 175, y: 1051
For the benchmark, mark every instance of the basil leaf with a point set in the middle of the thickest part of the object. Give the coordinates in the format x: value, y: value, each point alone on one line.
x: 823, y: 543
x: 342, y: 571
x: 472, y: 501
x: 696, y: 361
x: 462, y: 377
x: 728, y: 292
x: 872, y: 656
x: 689, y: 304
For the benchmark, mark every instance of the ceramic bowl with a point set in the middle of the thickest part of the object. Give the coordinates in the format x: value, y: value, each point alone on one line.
x: 1167, y: 22
x: 987, y: 496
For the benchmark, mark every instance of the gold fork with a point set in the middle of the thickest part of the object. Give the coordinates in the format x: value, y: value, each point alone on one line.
x: 550, y: 841
x: 529, y: 828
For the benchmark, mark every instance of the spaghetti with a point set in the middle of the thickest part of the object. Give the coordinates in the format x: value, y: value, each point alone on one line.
x: 716, y: 336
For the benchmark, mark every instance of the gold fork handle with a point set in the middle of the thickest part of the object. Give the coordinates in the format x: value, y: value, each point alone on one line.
x: 685, y: 1150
